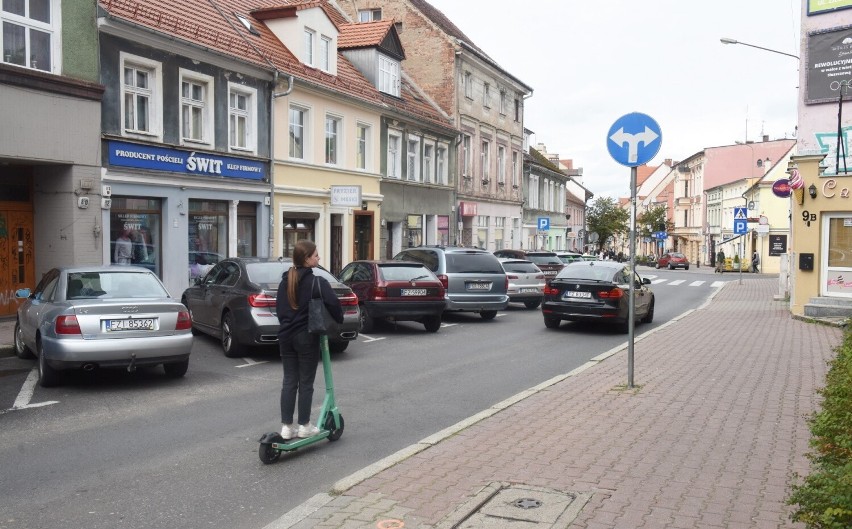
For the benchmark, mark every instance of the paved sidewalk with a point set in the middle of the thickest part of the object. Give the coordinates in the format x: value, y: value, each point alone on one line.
x: 709, y: 438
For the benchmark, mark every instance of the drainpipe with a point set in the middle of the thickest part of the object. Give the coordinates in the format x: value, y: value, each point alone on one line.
x: 275, y: 95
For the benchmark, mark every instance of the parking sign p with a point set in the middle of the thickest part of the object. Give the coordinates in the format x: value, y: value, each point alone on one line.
x: 543, y: 223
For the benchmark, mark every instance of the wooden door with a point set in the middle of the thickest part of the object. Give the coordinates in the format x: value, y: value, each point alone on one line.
x: 17, y: 257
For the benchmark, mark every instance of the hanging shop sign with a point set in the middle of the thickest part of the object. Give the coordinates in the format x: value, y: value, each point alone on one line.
x: 126, y: 154
x: 781, y: 188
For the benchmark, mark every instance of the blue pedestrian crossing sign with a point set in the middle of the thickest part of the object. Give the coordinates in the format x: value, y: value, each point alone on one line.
x: 634, y: 139
x: 543, y: 223
x: 740, y: 221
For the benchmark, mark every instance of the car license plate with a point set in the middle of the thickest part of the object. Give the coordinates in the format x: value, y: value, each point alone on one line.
x: 479, y: 286
x: 136, y: 324
x: 413, y: 291
x: 526, y: 290
x: 576, y: 294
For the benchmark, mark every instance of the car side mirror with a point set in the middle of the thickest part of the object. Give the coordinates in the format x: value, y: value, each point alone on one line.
x: 197, y: 280
x: 23, y: 293
x: 646, y: 281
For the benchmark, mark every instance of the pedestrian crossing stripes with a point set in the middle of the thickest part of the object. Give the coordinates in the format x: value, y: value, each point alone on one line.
x: 659, y: 281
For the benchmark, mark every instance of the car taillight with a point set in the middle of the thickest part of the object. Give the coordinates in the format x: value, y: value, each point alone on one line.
x: 184, y: 321
x: 380, y: 292
x: 507, y: 284
x: 550, y: 291
x: 261, y: 300
x: 611, y: 294
x: 445, y: 281
x: 540, y: 276
x: 512, y: 277
x: 67, y: 325
x: 348, y: 300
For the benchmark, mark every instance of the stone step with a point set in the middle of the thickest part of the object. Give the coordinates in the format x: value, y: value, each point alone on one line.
x: 824, y: 310
x: 839, y: 302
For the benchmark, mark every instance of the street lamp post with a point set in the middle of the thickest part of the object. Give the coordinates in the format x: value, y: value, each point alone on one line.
x: 726, y: 40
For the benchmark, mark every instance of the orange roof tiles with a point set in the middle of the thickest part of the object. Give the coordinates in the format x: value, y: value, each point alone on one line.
x: 365, y: 34
x: 209, y: 23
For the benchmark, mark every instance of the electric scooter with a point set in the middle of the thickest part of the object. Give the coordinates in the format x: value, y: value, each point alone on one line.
x: 330, y: 421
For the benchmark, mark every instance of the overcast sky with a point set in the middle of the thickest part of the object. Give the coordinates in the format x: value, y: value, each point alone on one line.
x: 591, y: 62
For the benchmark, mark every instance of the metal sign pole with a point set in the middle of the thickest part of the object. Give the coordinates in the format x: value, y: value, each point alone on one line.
x: 631, y: 329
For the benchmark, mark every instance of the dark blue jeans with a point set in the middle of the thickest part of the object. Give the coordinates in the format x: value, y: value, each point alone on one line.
x: 300, y: 358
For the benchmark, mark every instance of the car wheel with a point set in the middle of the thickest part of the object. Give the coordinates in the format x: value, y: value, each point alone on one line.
x: 671, y: 267
x: 21, y: 350
x: 367, y: 321
x: 230, y: 346
x: 552, y: 323
x: 176, y: 369
x: 488, y: 314
x: 686, y: 268
x: 532, y: 304
x: 47, y: 376
x: 337, y: 347
x: 333, y: 433
x: 432, y: 323
x: 195, y: 331
x: 649, y: 317
x: 657, y: 266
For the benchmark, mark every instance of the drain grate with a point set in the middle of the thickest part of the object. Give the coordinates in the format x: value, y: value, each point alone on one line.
x: 527, y: 503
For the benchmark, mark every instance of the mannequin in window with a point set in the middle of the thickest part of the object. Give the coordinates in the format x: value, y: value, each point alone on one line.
x: 123, y: 252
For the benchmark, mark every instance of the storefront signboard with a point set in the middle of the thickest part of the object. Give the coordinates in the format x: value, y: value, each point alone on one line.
x: 829, y: 62
x: 346, y: 196
x: 817, y: 7
x: 777, y: 244
x: 137, y: 156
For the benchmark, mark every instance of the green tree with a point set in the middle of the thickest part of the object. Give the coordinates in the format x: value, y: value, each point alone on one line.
x: 606, y: 218
x: 652, y: 220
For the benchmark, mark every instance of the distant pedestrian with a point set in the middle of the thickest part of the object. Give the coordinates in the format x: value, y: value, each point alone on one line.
x: 755, y: 260
x: 720, y: 262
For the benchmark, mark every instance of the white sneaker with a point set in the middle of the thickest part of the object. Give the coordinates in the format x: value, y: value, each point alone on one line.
x: 288, y: 431
x: 307, y: 430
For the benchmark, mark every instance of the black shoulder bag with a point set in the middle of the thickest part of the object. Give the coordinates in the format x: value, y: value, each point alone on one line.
x: 319, y: 319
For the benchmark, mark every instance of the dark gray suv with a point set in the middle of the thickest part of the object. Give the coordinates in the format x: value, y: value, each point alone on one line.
x: 474, y: 279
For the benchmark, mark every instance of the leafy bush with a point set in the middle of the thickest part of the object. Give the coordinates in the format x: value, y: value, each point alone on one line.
x: 824, y: 499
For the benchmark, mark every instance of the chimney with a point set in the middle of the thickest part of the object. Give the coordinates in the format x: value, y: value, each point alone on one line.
x: 766, y: 137
x: 668, y: 161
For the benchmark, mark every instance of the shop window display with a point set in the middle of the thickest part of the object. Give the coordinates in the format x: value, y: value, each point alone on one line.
x: 135, y: 232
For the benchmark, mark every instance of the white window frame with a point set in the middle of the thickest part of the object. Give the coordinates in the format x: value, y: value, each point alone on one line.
x: 52, y: 28
x: 153, y: 93
x: 428, y: 162
x: 501, y: 164
x: 369, y: 15
x: 333, y: 143
x: 325, y: 53
x: 249, y: 114
x: 484, y: 159
x: 308, y: 46
x: 515, y: 157
x: 486, y: 95
x: 502, y: 102
x: 363, y: 144
x: 467, y: 155
x: 441, y: 163
x: 412, y: 153
x: 304, y: 129
x: 388, y: 78
x: 204, y: 105
x: 394, y: 160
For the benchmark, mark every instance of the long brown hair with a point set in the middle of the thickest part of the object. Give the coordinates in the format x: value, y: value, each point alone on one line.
x: 301, y: 252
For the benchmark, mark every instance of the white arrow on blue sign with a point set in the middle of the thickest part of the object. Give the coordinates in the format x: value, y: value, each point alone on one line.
x: 634, y: 139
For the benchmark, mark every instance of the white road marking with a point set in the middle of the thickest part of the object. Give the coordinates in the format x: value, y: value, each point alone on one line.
x: 26, y: 393
x: 250, y: 362
x: 696, y: 283
x: 677, y: 281
x: 448, y: 324
x: 717, y: 284
x: 370, y: 338
x: 658, y: 281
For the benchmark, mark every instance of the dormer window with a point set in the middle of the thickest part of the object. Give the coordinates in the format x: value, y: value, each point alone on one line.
x: 325, y: 53
x: 388, y: 75
x: 369, y: 15
x: 310, y: 36
x: 247, y: 24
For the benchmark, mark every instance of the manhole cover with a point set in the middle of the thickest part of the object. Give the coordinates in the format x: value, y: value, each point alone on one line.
x: 526, y: 503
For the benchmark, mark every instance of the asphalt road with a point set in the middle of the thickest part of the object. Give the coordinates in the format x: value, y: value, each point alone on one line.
x: 119, y: 450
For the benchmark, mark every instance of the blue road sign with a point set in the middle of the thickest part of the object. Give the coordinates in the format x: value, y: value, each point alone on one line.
x: 543, y: 223
x: 660, y: 235
x: 634, y: 139
x: 740, y: 221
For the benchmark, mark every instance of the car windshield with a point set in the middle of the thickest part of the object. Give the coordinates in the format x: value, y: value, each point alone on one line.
x: 269, y: 274
x: 473, y: 263
x: 521, y: 267
x: 118, y: 284
x: 677, y: 255
x: 587, y: 271
x: 395, y: 272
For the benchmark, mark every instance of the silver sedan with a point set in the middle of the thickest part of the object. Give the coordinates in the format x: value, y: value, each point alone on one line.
x: 107, y: 316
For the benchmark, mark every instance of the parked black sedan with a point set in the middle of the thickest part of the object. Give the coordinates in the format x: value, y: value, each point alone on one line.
x: 235, y: 302
x: 596, y: 291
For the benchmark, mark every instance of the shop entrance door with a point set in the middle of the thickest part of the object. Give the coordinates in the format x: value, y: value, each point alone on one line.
x: 17, y: 265
x: 363, y: 239
x: 336, y: 249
